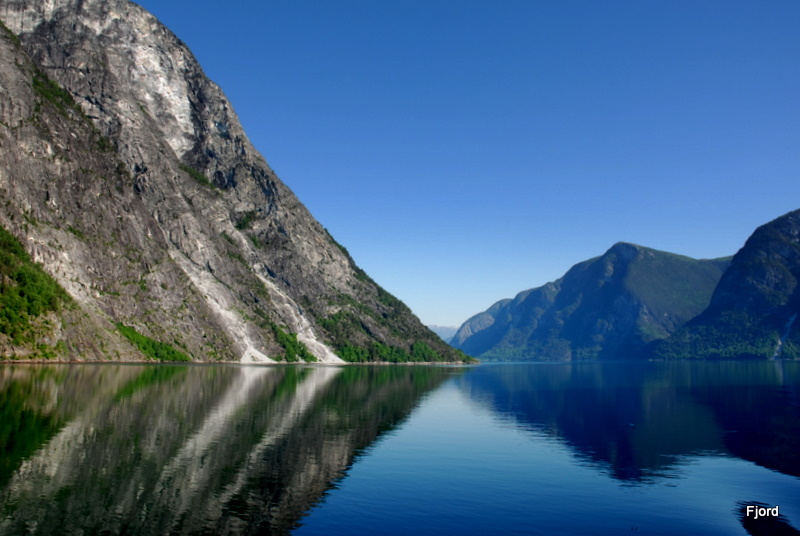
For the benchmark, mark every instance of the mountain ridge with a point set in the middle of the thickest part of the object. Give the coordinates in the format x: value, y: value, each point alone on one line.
x: 607, y: 306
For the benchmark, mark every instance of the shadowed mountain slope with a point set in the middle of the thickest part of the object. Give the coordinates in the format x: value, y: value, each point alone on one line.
x: 606, y: 307
x: 754, y: 308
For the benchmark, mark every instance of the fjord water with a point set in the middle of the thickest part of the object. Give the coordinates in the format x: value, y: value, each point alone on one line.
x: 585, y: 448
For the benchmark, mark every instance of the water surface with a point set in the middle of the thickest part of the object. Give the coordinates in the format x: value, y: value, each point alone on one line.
x: 592, y: 448
x: 163, y: 449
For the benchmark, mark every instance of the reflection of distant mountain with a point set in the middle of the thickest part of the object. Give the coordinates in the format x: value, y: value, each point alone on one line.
x: 639, y: 419
x: 762, y: 420
x: 193, y: 449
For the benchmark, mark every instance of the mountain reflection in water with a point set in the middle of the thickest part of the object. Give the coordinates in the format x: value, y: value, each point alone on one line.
x: 187, y: 449
x: 637, y: 421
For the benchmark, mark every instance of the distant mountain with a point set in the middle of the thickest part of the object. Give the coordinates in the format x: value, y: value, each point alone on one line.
x: 606, y: 307
x: 754, y: 308
x: 445, y: 332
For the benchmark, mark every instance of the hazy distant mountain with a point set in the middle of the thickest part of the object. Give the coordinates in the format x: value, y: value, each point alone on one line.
x: 753, y: 310
x: 445, y: 332
x: 158, y: 229
x: 606, y: 307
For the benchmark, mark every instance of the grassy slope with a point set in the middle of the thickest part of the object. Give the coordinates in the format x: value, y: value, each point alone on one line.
x: 27, y: 294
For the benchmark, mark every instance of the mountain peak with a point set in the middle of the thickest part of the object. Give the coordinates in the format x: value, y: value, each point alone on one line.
x: 625, y: 246
x: 624, y: 251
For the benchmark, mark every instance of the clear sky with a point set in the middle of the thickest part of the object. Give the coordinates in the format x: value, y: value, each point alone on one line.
x: 466, y: 150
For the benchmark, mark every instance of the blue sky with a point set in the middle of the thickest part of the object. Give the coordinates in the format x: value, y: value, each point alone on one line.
x: 466, y: 150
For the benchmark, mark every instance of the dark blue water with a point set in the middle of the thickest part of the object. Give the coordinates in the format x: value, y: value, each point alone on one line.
x: 612, y: 448
x: 582, y: 449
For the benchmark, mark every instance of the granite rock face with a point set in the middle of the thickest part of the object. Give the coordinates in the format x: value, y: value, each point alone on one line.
x: 126, y: 173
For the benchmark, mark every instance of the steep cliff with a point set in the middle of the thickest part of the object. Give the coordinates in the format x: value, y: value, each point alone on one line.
x: 125, y: 172
x: 606, y: 307
x: 754, y: 308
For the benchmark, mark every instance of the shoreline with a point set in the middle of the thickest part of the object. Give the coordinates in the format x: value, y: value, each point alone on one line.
x: 34, y: 362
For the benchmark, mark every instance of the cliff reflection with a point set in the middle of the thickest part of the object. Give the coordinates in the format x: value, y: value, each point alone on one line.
x: 187, y: 449
x: 638, y: 421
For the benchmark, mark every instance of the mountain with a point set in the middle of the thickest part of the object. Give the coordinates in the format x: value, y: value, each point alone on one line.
x: 142, y: 222
x: 606, y: 307
x: 753, y: 310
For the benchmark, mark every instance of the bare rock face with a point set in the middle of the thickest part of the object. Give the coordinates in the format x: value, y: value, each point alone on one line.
x: 136, y: 187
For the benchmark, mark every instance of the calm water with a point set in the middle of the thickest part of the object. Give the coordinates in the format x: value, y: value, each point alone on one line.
x: 612, y: 448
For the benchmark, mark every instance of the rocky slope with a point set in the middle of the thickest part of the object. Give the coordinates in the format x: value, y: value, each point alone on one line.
x: 754, y: 308
x: 606, y: 307
x: 125, y: 172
